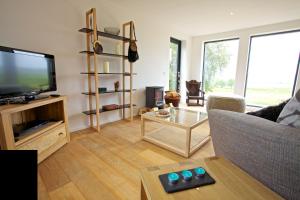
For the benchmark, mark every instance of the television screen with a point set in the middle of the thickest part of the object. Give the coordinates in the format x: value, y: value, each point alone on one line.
x: 25, y: 73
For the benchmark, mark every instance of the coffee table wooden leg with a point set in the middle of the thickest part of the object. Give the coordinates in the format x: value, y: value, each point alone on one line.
x: 142, y: 126
x: 188, y: 142
x: 143, y: 193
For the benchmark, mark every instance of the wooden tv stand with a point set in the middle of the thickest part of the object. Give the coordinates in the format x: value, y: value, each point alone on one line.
x: 46, y: 138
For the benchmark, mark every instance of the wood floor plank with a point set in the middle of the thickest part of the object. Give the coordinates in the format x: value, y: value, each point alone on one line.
x: 97, y: 166
x: 52, y: 174
x: 104, y: 172
x: 155, y: 158
x: 129, y: 171
x: 146, y: 145
x: 86, y: 182
x: 42, y: 191
x: 129, y: 153
x: 112, y: 142
x: 68, y: 191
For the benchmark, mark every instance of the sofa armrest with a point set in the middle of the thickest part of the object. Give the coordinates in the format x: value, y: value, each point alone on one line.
x: 268, y: 151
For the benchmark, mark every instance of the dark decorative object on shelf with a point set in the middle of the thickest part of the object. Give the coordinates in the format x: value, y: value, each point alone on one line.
x: 93, y: 112
x: 98, y: 49
x: 117, y: 85
x: 155, y: 97
x: 132, y: 49
x: 102, y: 90
x: 110, y: 107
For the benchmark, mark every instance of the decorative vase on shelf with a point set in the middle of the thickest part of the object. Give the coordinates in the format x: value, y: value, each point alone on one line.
x: 119, y: 49
x: 117, y: 85
x: 106, y: 67
x: 172, y: 97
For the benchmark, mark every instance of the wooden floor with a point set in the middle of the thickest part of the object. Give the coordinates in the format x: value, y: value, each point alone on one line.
x: 104, y: 166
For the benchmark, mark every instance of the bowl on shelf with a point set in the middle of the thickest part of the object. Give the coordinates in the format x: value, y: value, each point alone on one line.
x: 112, y: 30
x: 110, y: 107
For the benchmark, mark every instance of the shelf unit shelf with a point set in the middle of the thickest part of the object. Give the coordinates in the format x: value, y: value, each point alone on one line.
x: 92, y: 69
x: 106, y: 92
x: 104, y: 54
x: 111, y: 73
x: 93, y: 112
x: 104, y: 34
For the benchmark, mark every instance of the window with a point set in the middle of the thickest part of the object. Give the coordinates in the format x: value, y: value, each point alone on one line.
x: 174, y: 68
x: 219, y: 66
x: 272, y: 68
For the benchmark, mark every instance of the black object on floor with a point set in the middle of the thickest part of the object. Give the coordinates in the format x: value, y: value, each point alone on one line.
x: 187, y: 179
x: 18, y: 172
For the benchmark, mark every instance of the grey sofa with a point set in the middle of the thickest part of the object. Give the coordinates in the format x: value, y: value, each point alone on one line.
x: 266, y: 150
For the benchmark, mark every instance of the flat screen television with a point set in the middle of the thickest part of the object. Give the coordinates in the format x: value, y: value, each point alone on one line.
x: 25, y: 73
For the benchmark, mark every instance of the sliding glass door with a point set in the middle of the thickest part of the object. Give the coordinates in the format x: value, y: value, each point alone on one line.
x: 174, y: 67
x: 219, y: 66
x: 272, y: 68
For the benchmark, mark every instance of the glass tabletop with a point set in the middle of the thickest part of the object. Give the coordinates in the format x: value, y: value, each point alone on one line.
x: 179, y: 116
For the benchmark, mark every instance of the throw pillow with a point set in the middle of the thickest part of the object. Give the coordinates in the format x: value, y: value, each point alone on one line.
x: 270, y: 112
x: 290, y: 115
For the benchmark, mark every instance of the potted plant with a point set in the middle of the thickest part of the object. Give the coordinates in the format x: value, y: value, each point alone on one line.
x: 172, y: 97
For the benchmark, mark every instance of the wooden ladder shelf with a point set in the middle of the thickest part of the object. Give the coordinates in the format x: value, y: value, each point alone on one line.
x: 94, y: 75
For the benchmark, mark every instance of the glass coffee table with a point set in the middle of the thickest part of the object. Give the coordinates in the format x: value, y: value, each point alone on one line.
x: 180, y: 132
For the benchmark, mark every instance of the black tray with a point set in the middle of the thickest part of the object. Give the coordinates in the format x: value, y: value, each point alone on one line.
x: 206, y: 179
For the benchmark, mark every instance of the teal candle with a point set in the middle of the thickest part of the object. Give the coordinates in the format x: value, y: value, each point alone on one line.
x: 187, y: 175
x: 199, y: 171
x: 173, y: 178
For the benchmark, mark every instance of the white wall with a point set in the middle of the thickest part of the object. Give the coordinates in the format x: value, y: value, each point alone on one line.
x: 51, y: 26
x: 244, y: 36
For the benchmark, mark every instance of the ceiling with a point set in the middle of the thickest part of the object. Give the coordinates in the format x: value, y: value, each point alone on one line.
x: 198, y: 17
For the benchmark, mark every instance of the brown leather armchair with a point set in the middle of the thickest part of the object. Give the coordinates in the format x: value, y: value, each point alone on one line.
x: 194, y: 93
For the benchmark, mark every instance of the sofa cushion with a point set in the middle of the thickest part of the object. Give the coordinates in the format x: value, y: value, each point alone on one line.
x: 290, y: 115
x: 270, y: 112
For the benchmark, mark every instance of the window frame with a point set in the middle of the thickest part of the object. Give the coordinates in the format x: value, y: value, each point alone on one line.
x: 296, y: 76
x: 203, y: 55
x: 178, y: 75
x: 248, y: 61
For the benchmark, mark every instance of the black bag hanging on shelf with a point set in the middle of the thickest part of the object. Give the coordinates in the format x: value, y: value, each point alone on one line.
x: 98, y: 49
x: 132, y: 50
